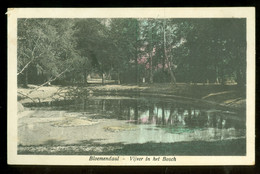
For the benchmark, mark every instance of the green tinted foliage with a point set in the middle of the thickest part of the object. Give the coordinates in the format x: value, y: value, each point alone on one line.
x: 194, y: 50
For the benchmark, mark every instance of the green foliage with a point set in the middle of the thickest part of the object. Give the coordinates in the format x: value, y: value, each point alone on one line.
x: 46, y: 45
x: 217, y: 49
x: 192, y: 50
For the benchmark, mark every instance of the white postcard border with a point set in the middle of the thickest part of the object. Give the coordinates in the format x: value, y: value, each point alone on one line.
x: 241, y: 12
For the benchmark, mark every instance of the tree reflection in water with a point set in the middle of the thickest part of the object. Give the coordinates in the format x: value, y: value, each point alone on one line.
x: 152, y: 120
x: 158, y: 112
x: 164, y: 114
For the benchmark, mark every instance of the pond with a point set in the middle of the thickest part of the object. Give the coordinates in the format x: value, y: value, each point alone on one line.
x: 130, y: 125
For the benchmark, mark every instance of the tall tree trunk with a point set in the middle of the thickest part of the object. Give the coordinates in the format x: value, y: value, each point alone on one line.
x: 163, y: 115
x: 118, y: 77
x: 151, y: 69
x: 103, y: 79
x: 241, y: 77
x: 85, y: 77
x: 103, y: 107
x: 128, y: 113
x: 85, y: 72
x: 26, y: 78
x: 173, y: 79
x: 151, y: 56
x: 136, y: 112
x: 136, y: 70
x: 136, y: 55
x: 170, y: 117
x: 222, y: 77
x: 119, y: 109
x: 216, y: 75
x: 84, y: 104
x: 164, y: 62
x: 151, y: 107
x: 102, y: 74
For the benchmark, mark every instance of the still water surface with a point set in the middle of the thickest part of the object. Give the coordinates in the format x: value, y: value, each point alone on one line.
x: 126, y: 120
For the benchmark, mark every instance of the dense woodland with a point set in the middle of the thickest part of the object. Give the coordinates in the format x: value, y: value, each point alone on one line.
x: 67, y: 51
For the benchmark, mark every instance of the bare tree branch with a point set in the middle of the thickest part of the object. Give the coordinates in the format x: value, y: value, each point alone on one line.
x: 26, y: 55
x: 36, y: 44
x: 39, y: 55
x: 27, y: 96
x: 25, y: 67
x: 52, y: 79
x: 33, y: 57
x: 173, y: 79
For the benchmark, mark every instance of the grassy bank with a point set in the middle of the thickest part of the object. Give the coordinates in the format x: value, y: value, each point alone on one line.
x: 235, y: 147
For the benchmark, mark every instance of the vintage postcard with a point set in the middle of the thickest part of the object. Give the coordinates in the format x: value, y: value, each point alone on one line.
x: 131, y: 86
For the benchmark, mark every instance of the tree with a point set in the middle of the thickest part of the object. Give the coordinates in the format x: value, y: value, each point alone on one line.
x: 161, y: 50
x: 88, y: 38
x: 215, y: 49
x: 46, y: 48
x: 162, y: 39
x: 124, y: 40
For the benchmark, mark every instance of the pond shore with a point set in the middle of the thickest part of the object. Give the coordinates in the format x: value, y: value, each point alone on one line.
x: 60, y: 132
x: 229, y: 95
